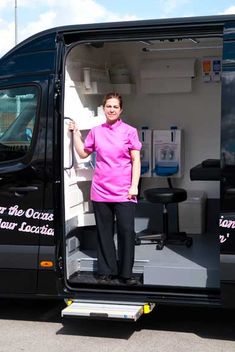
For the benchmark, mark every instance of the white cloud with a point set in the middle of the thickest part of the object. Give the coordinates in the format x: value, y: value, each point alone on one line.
x: 5, y: 4
x: 55, y: 13
x: 7, y: 31
x: 45, y: 21
x: 168, y: 6
x: 86, y: 11
x: 32, y: 3
x: 59, y: 13
x: 229, y: 11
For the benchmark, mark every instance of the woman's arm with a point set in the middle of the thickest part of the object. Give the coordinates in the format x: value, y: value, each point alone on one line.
x: 78, y: 143
x: 135, y: 158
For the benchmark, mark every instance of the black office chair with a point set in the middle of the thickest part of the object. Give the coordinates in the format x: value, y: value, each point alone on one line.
x: 166, y: 196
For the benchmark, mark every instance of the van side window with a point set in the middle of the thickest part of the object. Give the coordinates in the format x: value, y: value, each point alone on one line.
x: 17, y: 118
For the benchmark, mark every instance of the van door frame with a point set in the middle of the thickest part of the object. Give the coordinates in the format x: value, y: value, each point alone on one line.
x: 227, y: 188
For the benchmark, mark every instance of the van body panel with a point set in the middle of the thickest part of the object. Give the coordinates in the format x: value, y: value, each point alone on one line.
x: 31, y: 188
x: 227, y: 219
x: 227, y: 198
x: 33, y: 57
x: 25, y: 186
x: 22, y: 257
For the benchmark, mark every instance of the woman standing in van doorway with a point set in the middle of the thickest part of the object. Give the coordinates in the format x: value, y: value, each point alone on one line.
x: 114, y: 189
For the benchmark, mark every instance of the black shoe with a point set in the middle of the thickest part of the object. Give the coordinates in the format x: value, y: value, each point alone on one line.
x: 130, y: 281
x: 104, y: 279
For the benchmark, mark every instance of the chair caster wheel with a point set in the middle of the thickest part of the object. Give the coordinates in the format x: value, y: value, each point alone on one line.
x: 189, y: 242
x: 159, y: 246
x: 137, y: 241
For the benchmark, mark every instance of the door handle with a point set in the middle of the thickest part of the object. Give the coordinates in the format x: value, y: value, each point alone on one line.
x: 72, y: 147
x: 23, y: 189
x: 230, y: 191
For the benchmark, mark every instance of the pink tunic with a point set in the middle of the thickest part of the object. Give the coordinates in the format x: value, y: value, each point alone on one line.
x: 113, y: 170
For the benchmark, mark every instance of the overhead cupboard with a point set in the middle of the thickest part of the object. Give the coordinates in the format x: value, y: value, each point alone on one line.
x: 159, y: 76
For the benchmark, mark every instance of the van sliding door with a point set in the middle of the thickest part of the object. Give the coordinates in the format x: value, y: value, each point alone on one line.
x: 227, y: 219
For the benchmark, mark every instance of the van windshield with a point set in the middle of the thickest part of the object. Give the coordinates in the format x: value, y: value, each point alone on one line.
x: 17, y: 119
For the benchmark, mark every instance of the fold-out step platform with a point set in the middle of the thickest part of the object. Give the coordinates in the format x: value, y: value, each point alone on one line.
x: 110, y: 310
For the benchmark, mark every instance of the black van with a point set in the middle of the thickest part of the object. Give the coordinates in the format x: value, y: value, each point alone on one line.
x: 175, y: 75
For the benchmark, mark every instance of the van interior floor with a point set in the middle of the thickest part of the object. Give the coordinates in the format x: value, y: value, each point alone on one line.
x: 174, y: 265
x: 87, y: 277
x: 178, y: 265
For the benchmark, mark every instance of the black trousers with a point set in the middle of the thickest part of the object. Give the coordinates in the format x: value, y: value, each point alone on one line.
x: 111, y: 261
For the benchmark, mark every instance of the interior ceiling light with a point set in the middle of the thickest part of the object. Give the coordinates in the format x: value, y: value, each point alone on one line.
x: 183, y: 48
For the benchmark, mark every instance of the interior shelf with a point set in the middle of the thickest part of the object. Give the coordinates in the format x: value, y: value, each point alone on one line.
x: 103, y: 87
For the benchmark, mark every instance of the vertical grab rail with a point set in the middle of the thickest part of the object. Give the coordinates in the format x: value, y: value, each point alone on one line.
x: 72, y: 147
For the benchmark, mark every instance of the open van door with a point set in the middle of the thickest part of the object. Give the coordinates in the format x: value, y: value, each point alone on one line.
x: 227, y: 218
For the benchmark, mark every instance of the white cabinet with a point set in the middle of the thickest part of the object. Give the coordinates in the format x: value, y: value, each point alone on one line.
x: 160, y: 76
x: 103, y: 88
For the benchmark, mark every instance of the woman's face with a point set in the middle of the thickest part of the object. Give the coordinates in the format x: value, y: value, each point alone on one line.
x: 112, y: 110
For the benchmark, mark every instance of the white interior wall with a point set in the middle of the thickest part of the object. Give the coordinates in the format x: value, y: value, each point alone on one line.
x: 197, y: 112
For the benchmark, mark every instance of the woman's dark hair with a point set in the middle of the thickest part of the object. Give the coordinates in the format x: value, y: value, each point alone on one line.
x: 112, y: 95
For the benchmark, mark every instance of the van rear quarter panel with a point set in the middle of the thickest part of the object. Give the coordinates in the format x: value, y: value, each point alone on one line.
x: 227, y: 219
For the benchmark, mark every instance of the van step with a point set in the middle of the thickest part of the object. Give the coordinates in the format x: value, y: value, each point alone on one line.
x: 107, y: 310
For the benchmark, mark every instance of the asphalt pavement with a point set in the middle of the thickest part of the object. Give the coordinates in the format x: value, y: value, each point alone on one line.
x: 37, y: 326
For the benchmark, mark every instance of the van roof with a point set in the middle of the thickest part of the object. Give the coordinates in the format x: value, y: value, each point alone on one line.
x: 39, y: 53
x: 195, y: 22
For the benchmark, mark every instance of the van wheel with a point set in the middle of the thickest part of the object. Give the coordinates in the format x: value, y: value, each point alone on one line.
x: 189, y: 242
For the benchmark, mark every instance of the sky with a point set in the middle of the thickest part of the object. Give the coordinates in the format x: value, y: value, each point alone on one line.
x: 33, y: 16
